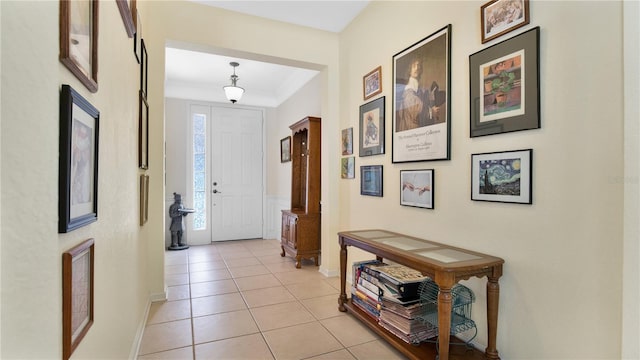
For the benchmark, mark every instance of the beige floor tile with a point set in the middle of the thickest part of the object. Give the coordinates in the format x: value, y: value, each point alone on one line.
x: 348, y: 330
x: 210, y: 275
x: 223, y: 326
x: 175, y: 258
x: 257, y: 282
x: 176, y: 279
x: 207, y: 265
x: 209, y: 288
x: 283, y: 266
x: 323, y: 307
x: 169, y: 311
x: 274, y: 258
x: 185, y: 353
x: 294, y: 276
x: 281, y: 315
x: 335, y: 355
x: 267, y: 296
x: 200, y: 258
x: 166, y: 336
x: 311, y: 289
x: 249, y: 347
x: 217, y: 304
x: 179, y: 292
x: 301, y: 341
x: 244, y: 271
x: 238, y: 254
x: 334, y: 281
x: 239, y: 262
x: 375, y: 350
x: 176, y: 269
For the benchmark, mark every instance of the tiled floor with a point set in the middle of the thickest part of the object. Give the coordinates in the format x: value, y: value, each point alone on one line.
x: 242, y: 300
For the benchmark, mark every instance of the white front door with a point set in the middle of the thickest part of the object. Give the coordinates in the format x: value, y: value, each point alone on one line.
x: 236, y: 173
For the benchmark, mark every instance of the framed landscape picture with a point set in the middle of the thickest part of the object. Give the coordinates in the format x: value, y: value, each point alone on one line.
x: 372, y: 128
x: 416, y: 188
x: 502, y: 176
x: 372, y: 83
x: 371, y: 180
x: 505, y: 86
x: 498, y: 17
x: 421, y: 103
x: 78, y: 167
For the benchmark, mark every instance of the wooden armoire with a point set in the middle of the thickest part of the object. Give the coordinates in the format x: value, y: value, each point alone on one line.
x: 301, y: 224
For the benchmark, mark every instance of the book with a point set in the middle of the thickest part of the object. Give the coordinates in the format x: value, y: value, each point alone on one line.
x: 397, y: 281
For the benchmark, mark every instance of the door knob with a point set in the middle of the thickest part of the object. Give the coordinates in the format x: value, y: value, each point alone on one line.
x: 217, y: 192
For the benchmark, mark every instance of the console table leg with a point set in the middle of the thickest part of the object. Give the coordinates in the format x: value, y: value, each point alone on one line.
x: 493, y: 297
x: 343, y: 276
x: 444, y: 322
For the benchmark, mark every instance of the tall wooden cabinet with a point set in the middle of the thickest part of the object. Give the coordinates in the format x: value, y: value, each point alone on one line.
x: 301, y: 224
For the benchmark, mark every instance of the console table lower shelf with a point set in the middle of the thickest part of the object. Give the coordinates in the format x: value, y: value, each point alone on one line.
x: 415, y: 352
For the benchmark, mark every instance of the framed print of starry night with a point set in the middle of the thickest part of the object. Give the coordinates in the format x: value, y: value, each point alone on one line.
x: 502, y: 176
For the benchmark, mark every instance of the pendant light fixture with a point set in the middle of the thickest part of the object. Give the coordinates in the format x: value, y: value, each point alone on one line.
x: 233, y: 92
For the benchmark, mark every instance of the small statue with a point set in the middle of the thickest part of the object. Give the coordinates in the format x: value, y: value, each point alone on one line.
x: 177, y: 212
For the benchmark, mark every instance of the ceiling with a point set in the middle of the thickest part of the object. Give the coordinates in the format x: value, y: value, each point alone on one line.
x: 200, y: 74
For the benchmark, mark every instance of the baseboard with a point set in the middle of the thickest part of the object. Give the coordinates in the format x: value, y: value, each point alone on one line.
x: 135, y: 348
x: 328, y: 273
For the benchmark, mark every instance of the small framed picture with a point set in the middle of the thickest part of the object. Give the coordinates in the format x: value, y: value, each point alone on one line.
x: 371, y: 180
x: 79, y: 40
x: 372, y: 83
x: 127, y: 19
x: 143, y: 132
x: 285, y: 149
x: 372, y: 128
x: 144, y: 199
x: 347, y: 141
x: 347, y: 169
x: 498, y: 17
x: 78, y: 168
x: 137, y: 36
x: 144, y: 69
x: 505, y: 86
x: 502, y: 176
x: 77, y: 295
x: 416, y: 188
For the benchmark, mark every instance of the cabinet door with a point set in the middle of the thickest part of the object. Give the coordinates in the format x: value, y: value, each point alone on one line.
x: 284, y: 231
x: 293, y: 232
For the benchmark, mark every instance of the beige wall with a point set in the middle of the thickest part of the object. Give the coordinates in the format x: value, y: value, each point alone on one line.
x: 31, y: 247
x: 561, y: 289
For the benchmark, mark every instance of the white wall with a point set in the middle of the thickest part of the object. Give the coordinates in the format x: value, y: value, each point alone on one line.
x: 561, y: 289
x: 31, y: 248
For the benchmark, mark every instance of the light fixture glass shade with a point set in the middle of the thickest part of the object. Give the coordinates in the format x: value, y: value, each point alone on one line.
x: 234, y: 93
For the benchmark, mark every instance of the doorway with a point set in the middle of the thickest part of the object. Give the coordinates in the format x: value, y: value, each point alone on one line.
x: 225, y: 173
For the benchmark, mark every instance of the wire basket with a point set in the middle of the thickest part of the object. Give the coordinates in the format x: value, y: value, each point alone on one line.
x: 461, y: 299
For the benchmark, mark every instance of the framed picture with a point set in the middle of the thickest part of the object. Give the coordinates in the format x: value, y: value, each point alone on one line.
x: 79, y: 40
x: 144, y: 69
x: 421, y: 104
x: 127, y: 19
x: 348, y: 166
x: 372, y: 128
x: 498, y: 17
x: 502, y: 176
x: 372, y: 83
x: 143, y: 132
x: 285, y: 149
x: 137, y: 37
x: 78, y: 167
x: 77, y: 295
x: 416, y: 188
x: 144, y: 199
x: 347, y: 141
x: 505, y: 86
x: 371, y: 180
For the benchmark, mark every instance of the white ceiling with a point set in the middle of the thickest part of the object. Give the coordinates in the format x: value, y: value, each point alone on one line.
x: 201, y: 74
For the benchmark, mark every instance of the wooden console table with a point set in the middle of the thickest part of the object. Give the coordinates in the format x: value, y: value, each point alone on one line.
x: 446, y: 265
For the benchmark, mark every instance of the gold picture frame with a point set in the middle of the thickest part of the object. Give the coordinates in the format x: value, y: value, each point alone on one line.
x: 77, y: 295
x: 79, y: 40
x: 372, y: 83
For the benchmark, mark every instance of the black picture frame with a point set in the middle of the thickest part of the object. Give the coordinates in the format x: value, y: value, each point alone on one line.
x: 78, y: 161
x: 417, y: 188
x: 76, y: 55
x: 77, y: 295
x: 143, y: 132
x: 144, y: 69
x: 372, y: 128
x: 504, y: 80
x: 503, y: 176
x: 421, y: 100
x: 371, y: 180
x: 285, y: 149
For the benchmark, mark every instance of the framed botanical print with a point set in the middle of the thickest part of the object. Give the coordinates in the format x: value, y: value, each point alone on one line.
x: 347, y: 168
x: 79, y: 40
x: 503, y: 176
x: 421, y: 102
x: 372, y: 128
x: 78, y: 168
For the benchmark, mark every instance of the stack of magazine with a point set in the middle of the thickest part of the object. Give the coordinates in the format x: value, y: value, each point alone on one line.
x: 365, y: 292
x: 399, y: 300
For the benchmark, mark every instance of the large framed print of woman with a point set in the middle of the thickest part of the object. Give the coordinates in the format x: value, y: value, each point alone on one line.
x: 421, y: 104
